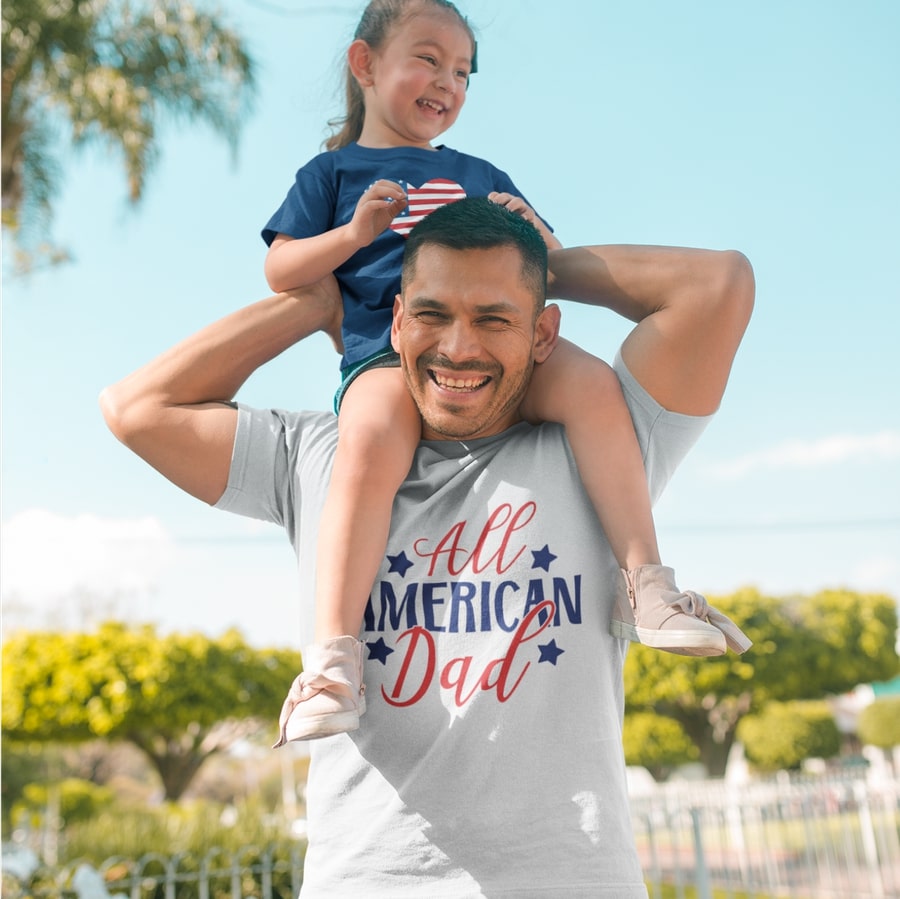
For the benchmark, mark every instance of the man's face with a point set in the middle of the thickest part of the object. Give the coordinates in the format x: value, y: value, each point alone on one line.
x: 467, y: 337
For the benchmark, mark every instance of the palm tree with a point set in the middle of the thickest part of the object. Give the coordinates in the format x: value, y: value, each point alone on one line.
x: 108, y: 71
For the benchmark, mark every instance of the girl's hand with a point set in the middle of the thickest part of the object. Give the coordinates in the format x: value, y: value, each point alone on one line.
x: 376, y: 209
x: 514, y: 204
x: 520, y: 207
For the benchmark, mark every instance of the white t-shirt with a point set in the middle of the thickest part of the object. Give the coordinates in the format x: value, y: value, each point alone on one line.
x: 489, y: 762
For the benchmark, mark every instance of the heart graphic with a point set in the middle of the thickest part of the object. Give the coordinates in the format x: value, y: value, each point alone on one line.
x: 430, y: 196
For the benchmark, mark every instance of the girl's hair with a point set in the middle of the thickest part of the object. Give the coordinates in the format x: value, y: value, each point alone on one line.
x: 379, y: 18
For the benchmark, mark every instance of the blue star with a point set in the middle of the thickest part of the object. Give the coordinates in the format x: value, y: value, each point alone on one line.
x: 550, y: 652
x: 379, y: 650
x: 399, y: 564
x: 542, y: 558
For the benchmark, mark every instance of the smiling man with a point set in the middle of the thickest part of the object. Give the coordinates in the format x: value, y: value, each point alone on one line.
x: 489, y: 761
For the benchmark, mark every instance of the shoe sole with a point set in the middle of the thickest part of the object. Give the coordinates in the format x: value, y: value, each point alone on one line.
x: 683, y: 643
x: 323, y: 726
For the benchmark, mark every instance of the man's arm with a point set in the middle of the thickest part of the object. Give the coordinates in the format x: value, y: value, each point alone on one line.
x: 691, y: 307
x: 175, y: 412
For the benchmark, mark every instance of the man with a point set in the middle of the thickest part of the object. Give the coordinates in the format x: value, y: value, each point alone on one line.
x: 489, y: 761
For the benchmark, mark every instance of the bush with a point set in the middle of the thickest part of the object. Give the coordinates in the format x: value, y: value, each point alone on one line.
x: 188, y: 827
x: 784, y: 734
x: 879, y: 723
x: 79, y: 800
x: 657, y: 743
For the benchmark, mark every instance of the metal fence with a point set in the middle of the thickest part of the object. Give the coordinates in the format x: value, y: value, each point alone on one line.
x: 826, y: 839
x: 821, y: 838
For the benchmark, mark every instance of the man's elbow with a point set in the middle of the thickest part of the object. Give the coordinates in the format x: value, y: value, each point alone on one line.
x: 727, y: 294
x: 738, y: 286
x: 121, y: 415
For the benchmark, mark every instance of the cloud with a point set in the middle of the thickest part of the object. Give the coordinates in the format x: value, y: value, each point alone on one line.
x: 832, y: 450
x: 51, y: 562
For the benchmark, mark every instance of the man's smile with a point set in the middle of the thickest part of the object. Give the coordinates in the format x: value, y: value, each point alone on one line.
x: 458, y: 383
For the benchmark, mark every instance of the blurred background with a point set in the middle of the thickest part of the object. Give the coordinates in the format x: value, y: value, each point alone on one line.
x: 771, y: 128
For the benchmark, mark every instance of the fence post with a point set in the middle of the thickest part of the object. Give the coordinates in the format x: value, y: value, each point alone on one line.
x: 704, y: 891
x: 867, y: 835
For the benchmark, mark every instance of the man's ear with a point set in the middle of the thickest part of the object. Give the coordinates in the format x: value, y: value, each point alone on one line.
x: 546, y: 332
x: 396, y: 322
x: 361, y: 58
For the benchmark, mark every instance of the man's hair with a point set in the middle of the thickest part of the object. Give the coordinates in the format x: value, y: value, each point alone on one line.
x: 476, y: 223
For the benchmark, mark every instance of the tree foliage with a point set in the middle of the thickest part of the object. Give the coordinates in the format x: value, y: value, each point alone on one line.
x: 108, y: 71
x: 656, y: 743
x: 879, y: 723
x: 178, y: 698
x: 784, y: 734
x: 804, y: 647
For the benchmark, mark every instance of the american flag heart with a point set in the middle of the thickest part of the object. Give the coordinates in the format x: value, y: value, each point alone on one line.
x: 430, y: 196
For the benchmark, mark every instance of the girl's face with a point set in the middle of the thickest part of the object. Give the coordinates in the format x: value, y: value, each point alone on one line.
x: 415, y: 85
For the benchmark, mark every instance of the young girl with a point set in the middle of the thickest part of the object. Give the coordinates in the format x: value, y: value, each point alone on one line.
x: 348, y: 212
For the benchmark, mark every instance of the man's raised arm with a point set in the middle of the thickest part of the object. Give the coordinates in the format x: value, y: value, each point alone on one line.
x: 175, y: 412
x: 691, y: 307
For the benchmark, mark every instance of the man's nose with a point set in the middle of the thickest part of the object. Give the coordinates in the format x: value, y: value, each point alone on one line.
x: 460, y: 342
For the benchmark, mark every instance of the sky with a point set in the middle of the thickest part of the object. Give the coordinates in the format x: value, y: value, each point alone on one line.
x: 772, y: 128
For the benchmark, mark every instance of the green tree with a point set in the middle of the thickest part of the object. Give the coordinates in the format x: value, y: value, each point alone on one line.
x: 179, y: 698
x: 783, y: 734
x: 879, y: 723
x: 107, y: 71
x: 805, y: 647
x: 656, y: 743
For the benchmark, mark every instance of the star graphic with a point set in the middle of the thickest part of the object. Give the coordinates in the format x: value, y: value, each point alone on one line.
x: 399, y: 564
x: 550, y: 652
x: 542, y: 558
x: 379, y: 650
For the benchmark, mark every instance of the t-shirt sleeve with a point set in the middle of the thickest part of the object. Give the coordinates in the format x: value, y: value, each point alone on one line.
x: 308, y: 208
x: 280, y: 465
x: 665, y: 437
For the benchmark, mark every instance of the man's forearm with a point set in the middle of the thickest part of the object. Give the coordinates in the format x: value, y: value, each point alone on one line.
x: 173, y: 411
x: 633, y: 281
x: 212, y: 365
x: 691, y: 308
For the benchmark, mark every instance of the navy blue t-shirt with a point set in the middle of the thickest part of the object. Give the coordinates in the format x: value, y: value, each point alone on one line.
x: 324, y: 195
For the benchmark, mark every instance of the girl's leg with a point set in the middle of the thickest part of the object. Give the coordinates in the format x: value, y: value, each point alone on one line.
x: 378, y: 431
x: 583, y: 393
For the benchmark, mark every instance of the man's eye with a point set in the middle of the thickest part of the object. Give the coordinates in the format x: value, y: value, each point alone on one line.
x: 493, y: 321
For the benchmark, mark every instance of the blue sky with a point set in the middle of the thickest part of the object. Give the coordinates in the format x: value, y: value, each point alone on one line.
x: 770, y: 127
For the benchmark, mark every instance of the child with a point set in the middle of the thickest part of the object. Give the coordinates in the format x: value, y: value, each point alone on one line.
x: 408, y: 69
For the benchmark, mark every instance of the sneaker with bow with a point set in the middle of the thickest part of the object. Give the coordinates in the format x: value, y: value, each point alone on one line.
x: 328, y: 696
x: 651, y: 610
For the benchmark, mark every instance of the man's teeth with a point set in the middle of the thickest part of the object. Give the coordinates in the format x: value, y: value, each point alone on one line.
x: 460, y: 383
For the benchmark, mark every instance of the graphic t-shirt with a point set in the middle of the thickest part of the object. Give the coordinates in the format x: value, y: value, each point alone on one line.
x: 489, y: 762
x: 324, y: 196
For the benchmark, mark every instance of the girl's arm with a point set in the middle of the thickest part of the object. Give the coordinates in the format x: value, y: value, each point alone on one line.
x: 293, y: 263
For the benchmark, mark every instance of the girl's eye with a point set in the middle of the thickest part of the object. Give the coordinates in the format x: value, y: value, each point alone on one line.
x: 429, y: 59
